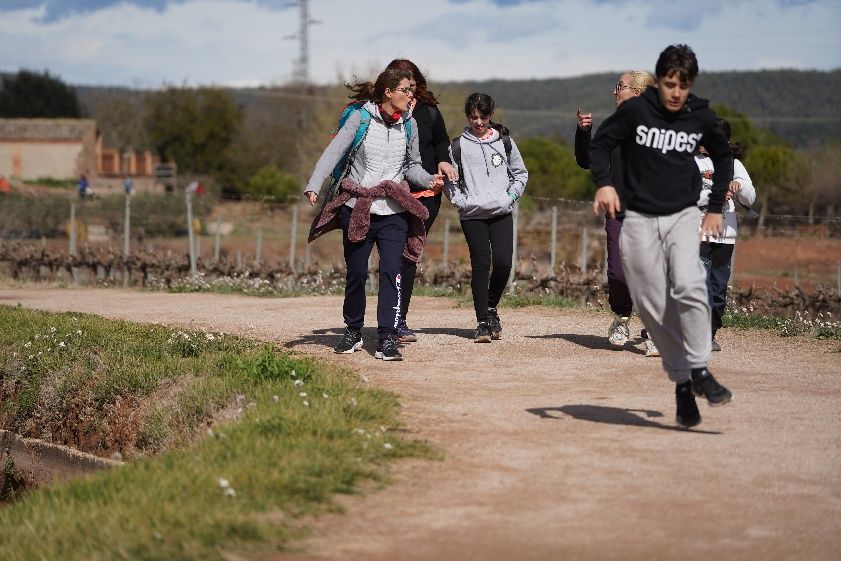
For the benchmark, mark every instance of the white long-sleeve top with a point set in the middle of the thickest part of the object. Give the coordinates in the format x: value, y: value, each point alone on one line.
x: 747, y: 195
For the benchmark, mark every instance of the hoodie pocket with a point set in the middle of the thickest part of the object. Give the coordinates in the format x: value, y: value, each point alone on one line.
x: 504, y: 205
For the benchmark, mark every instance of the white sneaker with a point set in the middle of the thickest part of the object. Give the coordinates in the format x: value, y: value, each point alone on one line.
x: 618, y: 332
x: 651, y: 348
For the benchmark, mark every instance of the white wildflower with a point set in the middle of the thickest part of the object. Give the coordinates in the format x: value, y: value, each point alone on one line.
x: 275, y: 398
x: 388, y: 446
x: 352, y: 402
x: 61, y: 345
x: 324, y: 395
x: 28, y: 344
x: 298, y: 383
x: 229, y: 492
x: 224, y: 483
x: 306, y: 403
x: 302, y: 394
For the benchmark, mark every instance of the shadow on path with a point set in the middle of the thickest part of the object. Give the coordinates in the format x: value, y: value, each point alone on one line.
x: 330, y: 338
x: 611, y: 416
x: 595, y: 342
x: 454, y: 331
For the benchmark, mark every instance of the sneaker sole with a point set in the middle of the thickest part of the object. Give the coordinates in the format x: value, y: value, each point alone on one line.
x: 381, y: 356
x: 652, y: 354
x: 407, y: 338
x: 724, y: 401
x: 617, y: 343
x: 351, y: 350
x: 483, y: 339
x: 496, y: 336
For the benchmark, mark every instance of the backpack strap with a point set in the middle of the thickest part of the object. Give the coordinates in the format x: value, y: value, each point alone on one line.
x: 343, y: 167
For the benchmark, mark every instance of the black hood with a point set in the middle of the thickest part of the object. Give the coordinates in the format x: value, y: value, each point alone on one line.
x: 693, y: 102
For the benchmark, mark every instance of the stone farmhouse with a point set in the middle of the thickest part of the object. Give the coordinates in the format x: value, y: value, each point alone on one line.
x: 63, y: 149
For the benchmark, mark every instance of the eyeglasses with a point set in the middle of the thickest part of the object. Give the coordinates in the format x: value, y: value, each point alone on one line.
x: 619, y: 87
x: 406, y: 90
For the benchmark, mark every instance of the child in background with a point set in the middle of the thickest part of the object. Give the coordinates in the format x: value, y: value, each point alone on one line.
x: 492, y: 178
x: 717, y: 251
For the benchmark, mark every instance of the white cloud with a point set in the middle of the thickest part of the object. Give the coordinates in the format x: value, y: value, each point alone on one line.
x: 240, y: 42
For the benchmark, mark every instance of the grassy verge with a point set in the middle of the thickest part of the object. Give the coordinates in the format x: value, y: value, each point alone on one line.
x: 821, y: 326
x: 195, y: 488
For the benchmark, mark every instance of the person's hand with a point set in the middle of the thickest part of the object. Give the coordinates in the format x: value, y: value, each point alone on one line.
x: 311, y: 197
x: 606, y: 200
x: 445, y: 168
x: 712, y: 225
x: 585, y: 120
x: 436, y: 183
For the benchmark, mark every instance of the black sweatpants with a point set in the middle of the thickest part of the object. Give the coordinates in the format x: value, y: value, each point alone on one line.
x: 491, y: 245
x: 389, y: 233
x: 410, y: 268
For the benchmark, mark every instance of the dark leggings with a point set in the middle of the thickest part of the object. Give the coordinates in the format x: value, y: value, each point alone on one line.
x: 618, y: 297
x: 410, y: 269
x: 490, y: 240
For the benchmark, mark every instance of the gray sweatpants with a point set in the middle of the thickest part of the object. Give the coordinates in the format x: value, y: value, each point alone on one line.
x: 668, y: 286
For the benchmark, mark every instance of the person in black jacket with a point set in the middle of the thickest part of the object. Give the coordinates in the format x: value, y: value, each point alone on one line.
x: 630, y: 84
x: 658, y: 133
x: 434, y: 151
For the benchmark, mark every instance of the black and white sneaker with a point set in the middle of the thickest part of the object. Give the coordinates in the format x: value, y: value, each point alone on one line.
x: 387, y: 349
x: 687, y: 410
x: 351, y: 341
x: 483, y: 333
x: 494, y: 324
x: 704, y: 384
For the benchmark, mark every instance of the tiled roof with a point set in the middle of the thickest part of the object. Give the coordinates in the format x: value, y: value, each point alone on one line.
x: 45, y: 129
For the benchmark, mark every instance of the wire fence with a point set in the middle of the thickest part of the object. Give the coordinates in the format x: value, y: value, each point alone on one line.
x: 127, y: 239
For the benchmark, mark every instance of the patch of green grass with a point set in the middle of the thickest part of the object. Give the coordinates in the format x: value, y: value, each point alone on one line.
x: 299, y: 433
x: 820, y: 327
x: 51, y: 182
x: 550, y: 300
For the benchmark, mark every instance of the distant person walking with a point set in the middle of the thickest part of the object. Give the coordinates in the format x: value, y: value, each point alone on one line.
x: 717, y: 251
x: 493, y: 177
x: 631, y: 84
x: 658, y: 133
x: 433, y: 144
x: 83, y: 186
x: 373, y: 204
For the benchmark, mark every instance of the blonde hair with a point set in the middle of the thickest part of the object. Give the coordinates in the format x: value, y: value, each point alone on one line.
x: 640, y: 79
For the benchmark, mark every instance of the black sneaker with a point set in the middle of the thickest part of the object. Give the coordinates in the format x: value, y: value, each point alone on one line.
x: 387, y: 349
x: 494, y: 324
x: 483, y: 333
x: 703, y: 384
x: 715, y: 346
x: 687, y: 410
x: 351, y: 341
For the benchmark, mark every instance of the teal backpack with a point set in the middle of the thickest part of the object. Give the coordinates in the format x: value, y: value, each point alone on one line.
x: 343, y: 167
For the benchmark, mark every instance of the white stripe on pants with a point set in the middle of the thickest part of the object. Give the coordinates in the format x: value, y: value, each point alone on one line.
x: 668, y: 286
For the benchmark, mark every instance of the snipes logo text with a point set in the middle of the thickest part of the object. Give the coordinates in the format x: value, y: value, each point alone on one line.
x: 667, y: 139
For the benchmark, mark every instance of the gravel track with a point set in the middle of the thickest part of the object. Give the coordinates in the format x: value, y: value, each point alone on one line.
x: 555, y: 445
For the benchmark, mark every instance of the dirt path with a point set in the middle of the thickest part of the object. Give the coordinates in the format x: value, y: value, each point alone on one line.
x: 556, y: 446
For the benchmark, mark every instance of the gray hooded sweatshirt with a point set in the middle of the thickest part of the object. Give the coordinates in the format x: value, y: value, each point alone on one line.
x: 487, y: 189
x: 382, y: 155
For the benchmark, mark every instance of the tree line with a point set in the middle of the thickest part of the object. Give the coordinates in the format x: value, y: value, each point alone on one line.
x: 264, y: 142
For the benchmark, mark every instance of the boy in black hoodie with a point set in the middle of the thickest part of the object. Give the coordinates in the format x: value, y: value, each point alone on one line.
x: 657, y: 133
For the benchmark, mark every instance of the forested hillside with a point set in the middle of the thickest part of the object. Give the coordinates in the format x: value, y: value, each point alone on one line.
x: 801, y: 106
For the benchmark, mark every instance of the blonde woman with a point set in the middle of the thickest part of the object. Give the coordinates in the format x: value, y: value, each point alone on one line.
x: 630, y: 84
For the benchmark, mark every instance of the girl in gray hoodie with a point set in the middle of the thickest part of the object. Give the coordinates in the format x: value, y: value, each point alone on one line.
x: 492, y: 179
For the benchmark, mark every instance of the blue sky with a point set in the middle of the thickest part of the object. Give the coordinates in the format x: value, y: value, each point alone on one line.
x: 242, y: 42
